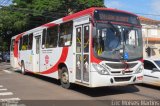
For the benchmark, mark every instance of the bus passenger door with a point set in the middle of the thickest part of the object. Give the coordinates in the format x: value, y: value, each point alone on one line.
x: 36, y: 62
x: 82, y: 53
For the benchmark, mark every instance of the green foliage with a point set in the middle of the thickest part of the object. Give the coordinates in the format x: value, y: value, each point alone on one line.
x: 90, y: 3
x: 27, y: 14
x: 77, y: 5
x: 46, y: 5
x: 10, y: 20
x: 5, y: 46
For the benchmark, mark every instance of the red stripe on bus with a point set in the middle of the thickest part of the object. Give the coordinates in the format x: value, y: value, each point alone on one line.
x: 61, y: 60
x: 16, y: 45
x: 49, y: 24
x: 93, y: 58
x: 90, y: 11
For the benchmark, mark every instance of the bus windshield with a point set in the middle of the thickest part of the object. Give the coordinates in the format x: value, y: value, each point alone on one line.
x: 116, y: 42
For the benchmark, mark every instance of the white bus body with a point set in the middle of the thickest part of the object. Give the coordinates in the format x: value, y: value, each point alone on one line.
x: 74, y: 51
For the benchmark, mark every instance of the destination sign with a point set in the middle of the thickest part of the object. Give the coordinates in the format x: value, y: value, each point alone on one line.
x: 102, y: 15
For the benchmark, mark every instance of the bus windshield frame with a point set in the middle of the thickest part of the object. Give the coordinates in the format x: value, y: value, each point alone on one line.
x: 117, y: 42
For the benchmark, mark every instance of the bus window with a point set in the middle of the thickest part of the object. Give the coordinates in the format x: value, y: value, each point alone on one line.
x: 78, y: 39
x: 44, y: 38
x: 65, y: 36
x: 25, y: 42
x: 30, y: 37
x: 37, y: 45
x: 12, y: 44
x: 86, y: 39
x: 52, y: 37
x: 20, y: 44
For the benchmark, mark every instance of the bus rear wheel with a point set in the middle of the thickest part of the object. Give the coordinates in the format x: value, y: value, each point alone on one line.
x: 64, y: 78
x: 23, y: 68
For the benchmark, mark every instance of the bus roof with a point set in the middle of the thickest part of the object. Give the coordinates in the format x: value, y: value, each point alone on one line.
x: 88, y: 11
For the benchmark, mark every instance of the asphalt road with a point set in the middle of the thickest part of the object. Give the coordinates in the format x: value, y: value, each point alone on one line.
x: 15, y: 86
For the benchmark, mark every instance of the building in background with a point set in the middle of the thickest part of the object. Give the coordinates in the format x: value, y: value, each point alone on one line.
x: 151, y: 37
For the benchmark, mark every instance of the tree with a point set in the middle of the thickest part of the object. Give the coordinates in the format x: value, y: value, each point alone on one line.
x: 27, y: 14
x: 24, y: 15
x: 77, y: 5
x: 11, y: 23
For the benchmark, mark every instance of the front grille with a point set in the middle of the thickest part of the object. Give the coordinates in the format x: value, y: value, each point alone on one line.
x: 120, y: 72
x: 128, y: 71
x: 120, y: 65
x: 119, y: 79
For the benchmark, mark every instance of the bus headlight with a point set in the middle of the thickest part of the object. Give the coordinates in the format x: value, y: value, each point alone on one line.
x: 100, y: 69
x: 139, y: 69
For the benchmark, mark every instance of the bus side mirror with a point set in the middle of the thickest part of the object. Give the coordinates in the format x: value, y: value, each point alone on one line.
x: 91, y: 20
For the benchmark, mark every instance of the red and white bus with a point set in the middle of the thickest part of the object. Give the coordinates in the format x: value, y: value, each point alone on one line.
x: 94, y: 47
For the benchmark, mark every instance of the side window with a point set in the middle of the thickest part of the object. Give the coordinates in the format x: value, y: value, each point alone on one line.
x: 65, y: 35
x: 44, y: 38
x: 12, y: 44
x: 148, y: 65
x: 78, y: 39
x: 20, y: 44
x: 86, y: 38
x: 37, y: 45
x: 52, y: 37
x: 25, y: 42
x: 30, y: 38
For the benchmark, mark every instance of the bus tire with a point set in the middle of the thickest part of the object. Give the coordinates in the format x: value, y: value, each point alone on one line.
x: 23, y: 68
x: 64, y: 78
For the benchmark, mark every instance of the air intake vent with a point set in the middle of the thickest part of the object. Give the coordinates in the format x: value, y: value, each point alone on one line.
x: 120, y: 65
x: 120, y: 79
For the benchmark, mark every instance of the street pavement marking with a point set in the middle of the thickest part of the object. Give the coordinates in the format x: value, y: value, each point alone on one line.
x: 3, y: 89
x: 3, y: 93
x: 9, y: 72
x: 10, y: 99
x: 1, y: 86
x: 6, y: 93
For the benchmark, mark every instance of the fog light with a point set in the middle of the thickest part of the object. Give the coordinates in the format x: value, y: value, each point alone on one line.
x: 111, y: 80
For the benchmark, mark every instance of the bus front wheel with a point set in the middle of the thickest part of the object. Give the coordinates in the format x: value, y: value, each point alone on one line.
x: 64, y: 78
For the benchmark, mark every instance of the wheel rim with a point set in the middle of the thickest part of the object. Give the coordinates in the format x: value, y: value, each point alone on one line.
x: 65, y: 77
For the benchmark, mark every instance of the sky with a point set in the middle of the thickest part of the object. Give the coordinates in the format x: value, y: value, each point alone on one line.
x: 5, y: 2
x: 147, y: 8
